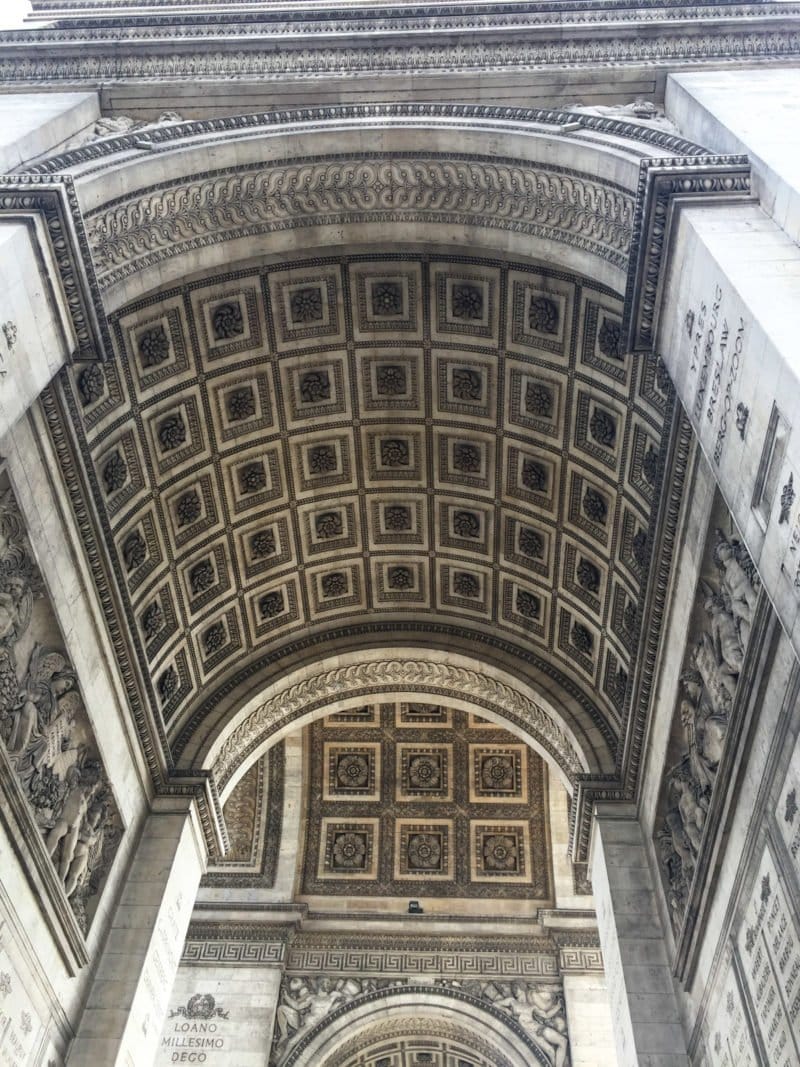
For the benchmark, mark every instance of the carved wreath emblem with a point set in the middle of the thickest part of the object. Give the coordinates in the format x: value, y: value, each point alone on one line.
x: 200, y: 1006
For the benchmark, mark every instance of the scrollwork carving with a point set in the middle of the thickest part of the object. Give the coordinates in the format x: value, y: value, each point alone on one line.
x: 167, y: 222
x: 396, y: 675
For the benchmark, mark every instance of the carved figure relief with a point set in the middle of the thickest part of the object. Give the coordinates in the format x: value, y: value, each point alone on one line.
x: 640, y: 111
x: 724, y: 609
x: 116, y: 125
x: 305, y: 1001
x: 538, y: 1009
x: 45, y: 730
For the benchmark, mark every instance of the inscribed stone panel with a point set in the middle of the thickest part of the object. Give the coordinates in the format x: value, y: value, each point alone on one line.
x: 730, y: 1043
x: 769, y: 946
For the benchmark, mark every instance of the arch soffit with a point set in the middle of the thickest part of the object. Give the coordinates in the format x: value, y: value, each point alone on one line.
x: 311, y: 692
x: 199, y: 200
x: 159, y: 162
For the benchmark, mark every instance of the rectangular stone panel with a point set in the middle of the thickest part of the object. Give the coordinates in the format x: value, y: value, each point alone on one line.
x: 769, y: 947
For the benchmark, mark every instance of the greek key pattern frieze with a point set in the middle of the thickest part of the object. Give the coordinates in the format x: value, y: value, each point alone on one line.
x: 406, y: 962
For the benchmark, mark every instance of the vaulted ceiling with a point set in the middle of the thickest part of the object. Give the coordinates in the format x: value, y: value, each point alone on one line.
x: 305, y: 452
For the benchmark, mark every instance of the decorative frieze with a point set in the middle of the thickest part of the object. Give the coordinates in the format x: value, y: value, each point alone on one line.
x: 49, y: 753
x: 590, y: 214
x: 719, y: 632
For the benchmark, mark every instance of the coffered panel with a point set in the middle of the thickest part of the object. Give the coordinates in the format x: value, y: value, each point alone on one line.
x: 431, y: 804
x: 368, y: 439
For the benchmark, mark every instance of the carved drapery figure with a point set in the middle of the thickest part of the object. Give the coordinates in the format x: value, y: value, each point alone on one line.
x: 705, y: 729
x: 538, y: 1009
x: 708, y: 688
x: 739, y: 581
x: 641, y: 111
x: 46, y: 732
x: 725, y: 634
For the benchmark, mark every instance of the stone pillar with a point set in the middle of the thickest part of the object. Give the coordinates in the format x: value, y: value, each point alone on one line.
x: 644, y: 1008
x: 35, y: 334
x: 226, y: 1012
x: 127, y: 1005
x: 591, y: 1034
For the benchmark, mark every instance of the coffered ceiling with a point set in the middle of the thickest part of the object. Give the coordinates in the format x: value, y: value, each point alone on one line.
x: 422, y: 800
x: 357, y: 447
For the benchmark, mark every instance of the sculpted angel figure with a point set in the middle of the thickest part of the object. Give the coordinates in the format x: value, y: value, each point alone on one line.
x: 705, y: 729
x: 539, y: 1011
x: 724, y: 630
x: 740, y: 581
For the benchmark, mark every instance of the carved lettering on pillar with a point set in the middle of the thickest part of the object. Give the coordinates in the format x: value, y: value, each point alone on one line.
x: 196, y: 1031
x: 730, y: 1042
x: 716, y: 358
x: 161, y: 964
x: 20, y: 1026
x: 769, y: 947
x: 787, y: 810
x: 707, y: 341
x: 734, y: 366
x: 695, y: 325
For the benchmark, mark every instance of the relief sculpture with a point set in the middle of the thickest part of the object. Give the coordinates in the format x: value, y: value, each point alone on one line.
x: 539, y: 1009
x: 45, y: 729
x: 725, y: 605
x: 306, y: 1001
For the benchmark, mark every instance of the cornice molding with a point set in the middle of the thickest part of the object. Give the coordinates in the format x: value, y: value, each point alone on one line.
x: 76, y: 65
x: 88, y: 21
x: 160, y: 137
x: 51, y: 200
x: 665, y: 186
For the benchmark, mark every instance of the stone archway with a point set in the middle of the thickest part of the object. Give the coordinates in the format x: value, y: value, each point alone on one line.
x: 426, y: 1016
x: 310, y: 693
x: 249, y: 395
x: 368, y: 180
